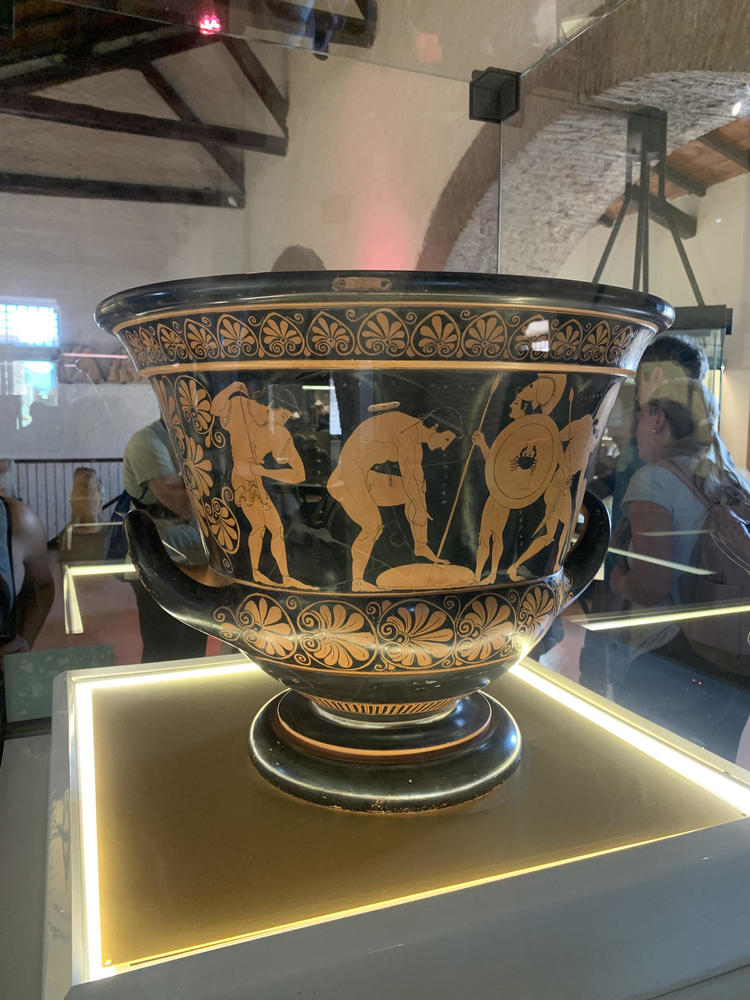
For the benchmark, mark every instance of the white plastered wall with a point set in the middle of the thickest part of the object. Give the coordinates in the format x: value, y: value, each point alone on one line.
x: 76, y: 251
x: 370, y: 150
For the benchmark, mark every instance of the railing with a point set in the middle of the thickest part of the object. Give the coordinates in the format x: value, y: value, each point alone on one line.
x: 45, y: 485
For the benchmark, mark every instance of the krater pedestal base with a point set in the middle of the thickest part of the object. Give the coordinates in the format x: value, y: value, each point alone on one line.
x: 382, y: 764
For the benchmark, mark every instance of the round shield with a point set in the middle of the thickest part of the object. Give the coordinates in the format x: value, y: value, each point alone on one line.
x: 523, y: 459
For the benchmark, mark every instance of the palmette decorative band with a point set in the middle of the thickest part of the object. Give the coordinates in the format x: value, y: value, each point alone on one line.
x: 362, y: 333
x: 432, y: 632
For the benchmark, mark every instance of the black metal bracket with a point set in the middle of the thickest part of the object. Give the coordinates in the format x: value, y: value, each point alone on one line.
x: 647, y: 148
x: 6, y: 19
x: 494, y: 94
x: 694, y: 318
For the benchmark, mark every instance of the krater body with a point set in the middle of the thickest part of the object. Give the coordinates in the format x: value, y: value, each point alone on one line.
x: 388, y: 469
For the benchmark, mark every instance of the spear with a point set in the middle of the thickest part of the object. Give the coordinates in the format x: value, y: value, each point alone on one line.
x: 466, y: 465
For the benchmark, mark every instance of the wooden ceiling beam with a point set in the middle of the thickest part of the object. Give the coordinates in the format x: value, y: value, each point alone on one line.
x: 79, y: 187
x: 233, y: 167
x: 729, y: 150
x: 256, y: 74
x: 690, y: 184
x: 660, y: 213
x: 130, y: 52
x: 88, y: 116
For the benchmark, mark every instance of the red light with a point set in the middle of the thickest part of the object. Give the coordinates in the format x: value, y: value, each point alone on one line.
x: 209, y: 23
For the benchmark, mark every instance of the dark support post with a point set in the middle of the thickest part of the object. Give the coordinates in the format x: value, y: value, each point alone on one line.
x: 647, y: 145
x: 494, y: 95
x: 6, y: 19
x: 616, y: 227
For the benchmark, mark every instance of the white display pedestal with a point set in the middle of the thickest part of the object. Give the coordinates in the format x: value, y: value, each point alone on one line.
x: 612, y: 864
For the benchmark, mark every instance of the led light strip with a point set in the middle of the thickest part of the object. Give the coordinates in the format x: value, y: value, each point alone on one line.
x: 661, y: 562
x: 656, y: 618
x: 712, y: 781
x: 94, y: 967
x: 100, y: 569
x: 92, y: 957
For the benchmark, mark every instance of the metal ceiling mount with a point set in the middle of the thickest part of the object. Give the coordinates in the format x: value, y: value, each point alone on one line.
x: 647, y: 148
x: 494, y: 95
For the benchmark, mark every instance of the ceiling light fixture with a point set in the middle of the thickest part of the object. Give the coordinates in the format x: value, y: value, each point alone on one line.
x: 209, y: 24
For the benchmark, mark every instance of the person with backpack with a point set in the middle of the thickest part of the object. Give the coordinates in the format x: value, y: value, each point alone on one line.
x: 153, y: 481
x: 604, y: 656
x: 676, y: 675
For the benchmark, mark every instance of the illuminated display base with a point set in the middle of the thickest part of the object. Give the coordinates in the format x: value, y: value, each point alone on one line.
x: 175, y: 869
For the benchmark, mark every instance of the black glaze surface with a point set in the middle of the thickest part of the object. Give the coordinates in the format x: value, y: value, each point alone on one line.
x: 216, y: 290
x: 414, y: 786
x: 386, y: 468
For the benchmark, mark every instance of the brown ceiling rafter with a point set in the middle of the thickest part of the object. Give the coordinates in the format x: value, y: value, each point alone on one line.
x: 232, y: 166
x: 692, y: 185
x: 729, y: 150
x: 45, y: 29
x: 260, y: 79
x: 685, y: 224
x: 693, y: 169
x: 124, y: 52
x: 89, y: 116
x: 81, y: 187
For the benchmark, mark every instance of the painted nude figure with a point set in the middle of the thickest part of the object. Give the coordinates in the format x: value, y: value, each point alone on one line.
x: 257, y: 428
x: 361, y: 490
x: 581, y: 437
x: 538, y: 396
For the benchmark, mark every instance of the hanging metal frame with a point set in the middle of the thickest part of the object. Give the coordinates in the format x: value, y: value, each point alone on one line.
x: 647, y: 148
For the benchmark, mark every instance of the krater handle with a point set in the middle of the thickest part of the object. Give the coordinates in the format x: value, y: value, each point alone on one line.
x: 177, y: 593
x: 583, y: 561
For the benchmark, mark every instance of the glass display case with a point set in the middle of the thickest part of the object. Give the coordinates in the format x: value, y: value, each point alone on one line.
x: 147, y: 141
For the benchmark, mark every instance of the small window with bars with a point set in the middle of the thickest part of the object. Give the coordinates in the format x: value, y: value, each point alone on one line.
x: 25, y: 324
x: 29, y: 340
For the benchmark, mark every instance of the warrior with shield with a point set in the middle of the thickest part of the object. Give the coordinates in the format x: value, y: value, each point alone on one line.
x: 519, y: 464
x: 580, y: 439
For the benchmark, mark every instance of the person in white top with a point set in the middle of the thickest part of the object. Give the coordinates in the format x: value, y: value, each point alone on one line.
x: 667, y: 680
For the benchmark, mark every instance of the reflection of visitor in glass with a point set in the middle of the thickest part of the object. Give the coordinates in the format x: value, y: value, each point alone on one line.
x: 604, y: 657
x: 151, y: 476
x: 26, y: 585
x: 298, y: 258
x: 667, y: 680
x: 669, y: 357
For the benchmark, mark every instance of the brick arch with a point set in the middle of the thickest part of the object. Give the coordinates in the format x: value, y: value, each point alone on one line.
x: 563, y: 166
